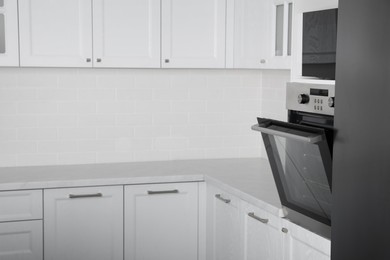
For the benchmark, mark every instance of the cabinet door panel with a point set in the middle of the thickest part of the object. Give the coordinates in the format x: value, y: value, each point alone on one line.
x: 263, y: 238
x: 305, y: 245
x: 55, y: 33
x: 193, y: 33
x: 223, y: 225
x: 20, y: 205
x: 126, y: 33
x: 21, y: 240
x: 84, y: 223
x: 9, y: 52
x: 161, y: 221
x: 252, y: 33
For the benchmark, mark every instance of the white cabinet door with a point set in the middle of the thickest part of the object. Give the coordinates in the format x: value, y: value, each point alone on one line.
x: 126, y: 33
x: 9, y: 52
x: 305, y: 245
x: 55, y: 33
x: 262, y: 34
x: 21, y: 240
x: 262, y: 235
x: 193, y: 33
x: 161, y: 221
x: 252, y: 41
x: 84, y: 223
x: 223, y: 225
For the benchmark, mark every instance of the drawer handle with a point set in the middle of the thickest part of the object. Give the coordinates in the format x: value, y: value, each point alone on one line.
x: 151, y: 192
x: 79, y: 196
x: 285, y: 230
x: 262, y: 220
x: 218, y: 196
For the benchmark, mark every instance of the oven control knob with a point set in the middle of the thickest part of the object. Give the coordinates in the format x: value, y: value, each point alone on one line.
x: 331, y: 102
x: 303, y: 99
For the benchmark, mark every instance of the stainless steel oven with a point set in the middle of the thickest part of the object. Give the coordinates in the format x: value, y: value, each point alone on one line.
x: 300, y: 154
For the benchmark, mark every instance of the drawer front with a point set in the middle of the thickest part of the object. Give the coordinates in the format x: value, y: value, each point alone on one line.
x: 21, y: 240
x: 20, y: 205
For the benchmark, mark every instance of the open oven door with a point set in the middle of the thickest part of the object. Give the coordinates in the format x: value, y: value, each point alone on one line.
x: 301, y: 164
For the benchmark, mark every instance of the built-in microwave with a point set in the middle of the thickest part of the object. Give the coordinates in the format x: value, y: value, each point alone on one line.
x: 319, y: 44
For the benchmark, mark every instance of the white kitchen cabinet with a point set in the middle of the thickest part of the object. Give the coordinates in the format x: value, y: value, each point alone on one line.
x: 55, y: 33
x: 262, y: 34
x: 223, y: 225
x: 21, y: 240
x: 262, y: 235
x: 83, y: 223
x: 161, y: 221
x: 303, y: 244
x: 9, y: 52
x: 193, y: 33
x: 126, y: 33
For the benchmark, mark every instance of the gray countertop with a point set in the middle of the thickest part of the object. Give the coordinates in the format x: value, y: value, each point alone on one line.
x: 249, y: 179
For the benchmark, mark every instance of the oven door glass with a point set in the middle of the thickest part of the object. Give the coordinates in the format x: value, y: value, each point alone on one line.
x: 301, y: 164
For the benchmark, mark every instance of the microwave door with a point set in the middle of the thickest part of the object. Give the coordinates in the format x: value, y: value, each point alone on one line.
x: 301, y: 165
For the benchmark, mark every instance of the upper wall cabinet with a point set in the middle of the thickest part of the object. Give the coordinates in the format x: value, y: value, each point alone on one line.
x: 126, y: 33
x: 99, y: 33
x: 55, y: 33
x: 9, y: 53
x: 193, y: 33
x: 262, y: 34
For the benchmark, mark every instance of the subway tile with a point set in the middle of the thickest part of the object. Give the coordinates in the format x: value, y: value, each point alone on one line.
x: 57, y: 120
x: 187, y: 154
x: 134, y: 94
x: 158, y: 106
x: 170, y: 119
x: 188, y: 106
x: 141, y: 156
x: 8, y: 134
x: 16, y: 147
x: 37, y: 159
x: 77, y: 133
x: 205, y: 118
x: 17, y: 94
x: 232, y: 152
x: 18, y: 121
x: 115, y: 107
x: 138, y: 119
x: 56, y: 94
x: 134, y: 144
x: 113, y: 157
x: 77, y: 158
x: 205, y: 142
x: 96, y: 94
x: 172, y: 93
x: 8, y: 108
x: 96, y: 120
x: 35, y: 134
x: 188, y: 130
x: 96, y: 145
x: 77, y: 107
x: 171, y: 143
x: 57, y: 146
x: 37, y: 107
x: 152, y: 131
x: 115, y: 132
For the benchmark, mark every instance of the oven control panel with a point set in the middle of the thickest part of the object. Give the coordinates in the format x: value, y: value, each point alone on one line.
x: 312, y: 98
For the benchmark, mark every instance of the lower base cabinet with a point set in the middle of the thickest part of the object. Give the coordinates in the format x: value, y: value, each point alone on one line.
x: 305, y: 245
x: 223, y: 225
x: 21, y: 240
x: 161, y: 221
x: 262, y: 234
x: 84, y: 223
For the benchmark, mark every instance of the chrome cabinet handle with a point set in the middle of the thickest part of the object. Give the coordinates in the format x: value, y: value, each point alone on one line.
x: 98, y: 60
x: 151, y: 192
x: 88, y: 59
x: 285, y: 230
x: 79, y: 196
x: 218, y: 196
x: 263, y: 61
x: 166, y: 60
x: 262, y: 220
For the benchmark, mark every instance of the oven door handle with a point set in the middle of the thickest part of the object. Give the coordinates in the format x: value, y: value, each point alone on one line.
x: 308, y: 139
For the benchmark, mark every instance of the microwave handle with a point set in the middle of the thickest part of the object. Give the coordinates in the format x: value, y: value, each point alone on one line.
x: 309, y: 139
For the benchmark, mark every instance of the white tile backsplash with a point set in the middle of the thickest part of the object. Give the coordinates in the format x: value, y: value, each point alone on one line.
x: 73, y: 116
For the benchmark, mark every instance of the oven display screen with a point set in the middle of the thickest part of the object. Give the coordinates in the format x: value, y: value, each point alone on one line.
x: 319, y: 92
